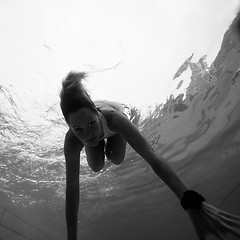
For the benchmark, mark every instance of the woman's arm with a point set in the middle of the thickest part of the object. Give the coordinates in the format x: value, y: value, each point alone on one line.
x: 134, y: 137
x: 207, y: 220
x: 72, y: 149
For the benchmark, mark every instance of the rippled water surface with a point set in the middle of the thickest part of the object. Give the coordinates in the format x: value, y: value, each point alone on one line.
x: 198, y: 136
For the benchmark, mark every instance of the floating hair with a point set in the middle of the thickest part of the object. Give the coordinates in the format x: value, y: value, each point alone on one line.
x: 73, y: 94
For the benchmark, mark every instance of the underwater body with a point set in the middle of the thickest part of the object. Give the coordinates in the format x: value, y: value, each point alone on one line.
x: 199, y: 136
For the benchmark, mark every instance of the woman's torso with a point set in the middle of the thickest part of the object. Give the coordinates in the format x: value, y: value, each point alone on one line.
x: 106, y: 109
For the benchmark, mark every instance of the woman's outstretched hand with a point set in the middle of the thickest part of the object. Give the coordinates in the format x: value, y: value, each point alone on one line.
x: 209, y: 220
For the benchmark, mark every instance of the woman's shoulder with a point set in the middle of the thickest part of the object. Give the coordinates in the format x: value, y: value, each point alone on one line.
x: 106, y: 110
x: 109, y: 109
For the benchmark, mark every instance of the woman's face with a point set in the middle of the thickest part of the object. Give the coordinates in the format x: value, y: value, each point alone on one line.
x: 86, y: 126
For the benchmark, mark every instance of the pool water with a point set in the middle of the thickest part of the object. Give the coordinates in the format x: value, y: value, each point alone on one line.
x: 199, y: 136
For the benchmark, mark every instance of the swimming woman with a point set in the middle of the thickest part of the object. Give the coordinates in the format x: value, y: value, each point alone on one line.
x: 104, y: 130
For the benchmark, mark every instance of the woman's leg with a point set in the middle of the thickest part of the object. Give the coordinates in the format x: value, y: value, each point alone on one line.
x: 96, y: 156
x: 115, y: 149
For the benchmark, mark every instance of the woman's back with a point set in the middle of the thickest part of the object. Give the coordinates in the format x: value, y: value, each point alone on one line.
x: 108, y: 105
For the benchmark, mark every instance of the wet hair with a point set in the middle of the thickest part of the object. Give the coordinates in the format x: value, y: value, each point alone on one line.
x: 73, y: 95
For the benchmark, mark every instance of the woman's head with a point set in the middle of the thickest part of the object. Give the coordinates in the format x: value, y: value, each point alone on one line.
x: 73, y: 94
x: 79, y: 111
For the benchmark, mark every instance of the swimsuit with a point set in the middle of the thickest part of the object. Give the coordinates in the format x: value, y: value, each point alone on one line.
x: 105, y: 110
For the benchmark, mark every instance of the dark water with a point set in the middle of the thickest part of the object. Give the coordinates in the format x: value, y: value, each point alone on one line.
x: 199, y: 136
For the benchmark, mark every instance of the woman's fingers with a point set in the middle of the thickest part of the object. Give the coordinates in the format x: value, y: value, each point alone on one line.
x: 219, y: 235
x: 225, y: 222
x: 201, y: 237
x: 209, y: 220
x: 230, y: 219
